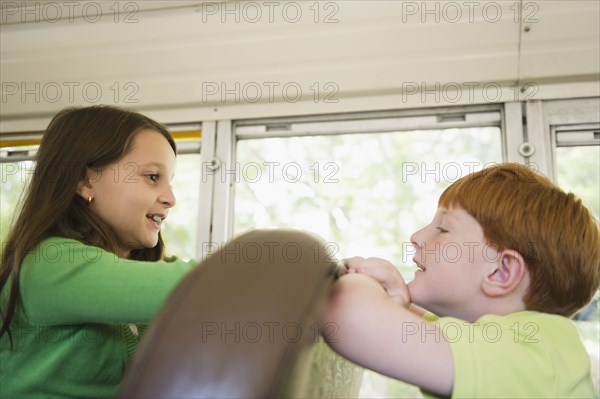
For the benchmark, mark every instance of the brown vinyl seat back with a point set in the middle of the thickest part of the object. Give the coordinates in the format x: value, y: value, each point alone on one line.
x: 242, y: 324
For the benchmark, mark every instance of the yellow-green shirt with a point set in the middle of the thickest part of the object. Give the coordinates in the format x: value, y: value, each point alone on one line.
x: 521, y: 355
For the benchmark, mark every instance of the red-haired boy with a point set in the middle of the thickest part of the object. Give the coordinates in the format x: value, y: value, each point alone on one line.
x: 507, y: 259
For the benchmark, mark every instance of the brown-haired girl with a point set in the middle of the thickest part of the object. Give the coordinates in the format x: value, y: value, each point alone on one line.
x: 85, y: 257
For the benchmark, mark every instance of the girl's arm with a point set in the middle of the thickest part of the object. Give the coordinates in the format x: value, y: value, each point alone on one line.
x: 64, y: 281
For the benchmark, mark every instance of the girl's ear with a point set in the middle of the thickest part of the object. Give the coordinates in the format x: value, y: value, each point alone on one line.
x: 84, y: 187
x: 505, y: 278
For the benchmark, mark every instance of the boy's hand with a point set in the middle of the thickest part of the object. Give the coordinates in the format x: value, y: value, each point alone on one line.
x: 384, y: 273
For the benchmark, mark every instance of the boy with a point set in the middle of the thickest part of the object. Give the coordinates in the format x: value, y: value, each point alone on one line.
x: 507, y: 259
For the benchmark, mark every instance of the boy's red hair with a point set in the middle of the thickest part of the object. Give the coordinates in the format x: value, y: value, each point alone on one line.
x: 520, y: 209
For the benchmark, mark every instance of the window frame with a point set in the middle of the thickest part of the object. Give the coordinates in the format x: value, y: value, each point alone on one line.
x: 215, y: 224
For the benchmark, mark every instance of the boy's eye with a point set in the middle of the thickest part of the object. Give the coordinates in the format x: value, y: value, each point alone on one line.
x: 153, y: 177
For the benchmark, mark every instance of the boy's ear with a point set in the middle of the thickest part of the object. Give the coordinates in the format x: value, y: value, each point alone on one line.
x: 508, y: 274
x: 84, y: 187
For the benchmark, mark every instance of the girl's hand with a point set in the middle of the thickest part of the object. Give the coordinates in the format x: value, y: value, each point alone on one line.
x: 384, y: 273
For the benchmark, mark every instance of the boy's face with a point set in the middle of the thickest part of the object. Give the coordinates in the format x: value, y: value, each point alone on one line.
x: 453, y: 259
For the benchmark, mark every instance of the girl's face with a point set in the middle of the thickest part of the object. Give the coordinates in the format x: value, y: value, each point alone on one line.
x: 134, y: 194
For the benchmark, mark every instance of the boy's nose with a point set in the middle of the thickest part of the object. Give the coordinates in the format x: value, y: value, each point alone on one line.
x: 417, y: 238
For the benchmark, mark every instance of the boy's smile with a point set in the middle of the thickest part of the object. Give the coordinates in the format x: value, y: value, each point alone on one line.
x: 452, y: 257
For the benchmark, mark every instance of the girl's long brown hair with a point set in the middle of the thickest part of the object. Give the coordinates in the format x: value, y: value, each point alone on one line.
x: 76, y: 139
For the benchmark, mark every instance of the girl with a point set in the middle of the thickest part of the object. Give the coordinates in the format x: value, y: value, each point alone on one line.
x: 85, y: 256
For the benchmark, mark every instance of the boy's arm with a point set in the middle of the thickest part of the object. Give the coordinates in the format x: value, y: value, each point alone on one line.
x: 376, y: 332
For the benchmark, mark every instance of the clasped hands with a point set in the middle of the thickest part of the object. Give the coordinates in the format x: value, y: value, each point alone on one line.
x: 384, y: 273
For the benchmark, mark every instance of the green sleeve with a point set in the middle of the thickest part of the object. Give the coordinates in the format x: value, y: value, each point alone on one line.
x: 65, y: 281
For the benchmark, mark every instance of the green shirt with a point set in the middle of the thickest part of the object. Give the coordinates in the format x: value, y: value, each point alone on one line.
x: 521, y: 355
x: 71, y: 333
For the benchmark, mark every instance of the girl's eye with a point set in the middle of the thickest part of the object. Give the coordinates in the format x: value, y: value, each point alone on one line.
x: 441, y: 229
x: 153, y: 177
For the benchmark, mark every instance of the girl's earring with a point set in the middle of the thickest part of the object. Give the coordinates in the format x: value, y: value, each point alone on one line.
x: 89, y: 200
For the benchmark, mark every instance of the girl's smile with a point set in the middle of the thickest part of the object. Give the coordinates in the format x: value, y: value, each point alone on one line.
x: 134, y: 195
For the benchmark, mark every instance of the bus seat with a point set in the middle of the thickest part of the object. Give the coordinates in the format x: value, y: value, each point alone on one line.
x: 244, y: 324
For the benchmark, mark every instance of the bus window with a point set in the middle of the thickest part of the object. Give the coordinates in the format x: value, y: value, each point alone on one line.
x: 579, y: 172
x: 577, y: 169
x: 180, y: 230
x: 15, y: 176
